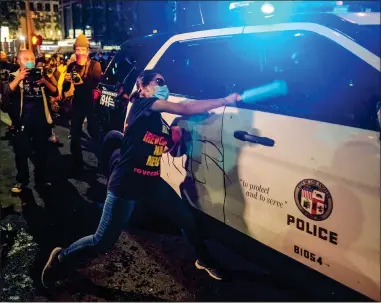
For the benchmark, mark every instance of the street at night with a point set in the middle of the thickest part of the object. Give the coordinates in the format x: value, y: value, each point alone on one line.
x: 145, y: 265
x: 189, y: 150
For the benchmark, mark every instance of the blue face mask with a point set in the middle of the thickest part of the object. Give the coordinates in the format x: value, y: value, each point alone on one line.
x: 161, y: 92
x: 29, y: 64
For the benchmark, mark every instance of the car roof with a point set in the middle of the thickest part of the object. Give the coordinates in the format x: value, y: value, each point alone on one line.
x: 340, y: 21
x: 154, y: 38
x: 354, y: 25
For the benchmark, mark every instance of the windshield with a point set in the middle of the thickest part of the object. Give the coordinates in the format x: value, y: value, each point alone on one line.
x: 135, y: 53
x: 119, y: 67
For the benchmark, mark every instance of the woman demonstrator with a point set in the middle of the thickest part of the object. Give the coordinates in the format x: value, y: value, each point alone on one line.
x: 134, y: 174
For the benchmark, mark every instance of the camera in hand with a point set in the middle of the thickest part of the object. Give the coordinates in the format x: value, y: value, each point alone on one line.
x: 34, y: 74
x: 48, y: 70
x: 76, y: 77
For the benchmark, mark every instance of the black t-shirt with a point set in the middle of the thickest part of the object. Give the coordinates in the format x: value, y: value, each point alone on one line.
x: 32, y: 94
x: 33, y: 111
x: 90, y: 74
x: 145, y: 138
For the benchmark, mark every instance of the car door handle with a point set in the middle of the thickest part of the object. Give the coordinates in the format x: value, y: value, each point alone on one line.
x: 244, y: 136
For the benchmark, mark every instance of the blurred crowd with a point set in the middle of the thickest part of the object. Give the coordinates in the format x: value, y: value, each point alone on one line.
x: 41, y: 91
x: 54, y: 67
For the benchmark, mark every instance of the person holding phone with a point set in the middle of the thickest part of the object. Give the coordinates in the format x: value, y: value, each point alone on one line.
x: 27, y: 91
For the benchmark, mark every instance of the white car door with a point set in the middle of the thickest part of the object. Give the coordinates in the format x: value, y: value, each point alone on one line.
x: 192, y: 67
x: 315, y: 194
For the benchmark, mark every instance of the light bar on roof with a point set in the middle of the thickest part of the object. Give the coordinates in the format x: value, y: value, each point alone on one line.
x: 361, y: 18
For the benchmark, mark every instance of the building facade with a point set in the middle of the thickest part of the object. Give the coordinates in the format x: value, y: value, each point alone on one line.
x: 44, y: 13
x: 100, y: 20
x: 113, y: 22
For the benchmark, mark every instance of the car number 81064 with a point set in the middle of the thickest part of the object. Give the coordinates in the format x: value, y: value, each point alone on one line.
x: 308, y: 255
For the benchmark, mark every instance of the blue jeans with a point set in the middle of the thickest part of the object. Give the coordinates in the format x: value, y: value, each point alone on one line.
x: 116, y: 212
x: 159, y: 197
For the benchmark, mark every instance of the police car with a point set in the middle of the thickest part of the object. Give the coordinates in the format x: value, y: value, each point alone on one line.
x: 295, y: 177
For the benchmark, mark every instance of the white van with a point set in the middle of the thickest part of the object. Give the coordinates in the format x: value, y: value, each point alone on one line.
x: 298, y: 173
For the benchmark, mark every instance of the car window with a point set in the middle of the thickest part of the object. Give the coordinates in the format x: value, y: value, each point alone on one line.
x: 203, y: 68
x: 131, y: 60
x: 118, y: 69
x: 326, y: 81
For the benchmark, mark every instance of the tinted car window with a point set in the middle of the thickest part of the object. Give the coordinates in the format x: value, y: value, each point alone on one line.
x: 131, y: 60
x: 326, y: 81
x: 205, y: 68
x: 118, y: 69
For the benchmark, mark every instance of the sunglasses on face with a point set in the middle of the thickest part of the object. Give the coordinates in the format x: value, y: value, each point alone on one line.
x: 160, y: 81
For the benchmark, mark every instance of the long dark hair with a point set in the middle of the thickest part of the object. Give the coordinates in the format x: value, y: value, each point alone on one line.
x: 144, y: 78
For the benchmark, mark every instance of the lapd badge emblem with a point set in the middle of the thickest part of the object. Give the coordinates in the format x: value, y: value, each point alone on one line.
x: 313, y: 199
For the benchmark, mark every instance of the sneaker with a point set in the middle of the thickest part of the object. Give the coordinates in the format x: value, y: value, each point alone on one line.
x: 50, y: 271
x: 213, y: 272
x: 17, y: 188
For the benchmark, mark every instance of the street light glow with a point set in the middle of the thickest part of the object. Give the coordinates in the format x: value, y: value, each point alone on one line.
x: 22, y: 38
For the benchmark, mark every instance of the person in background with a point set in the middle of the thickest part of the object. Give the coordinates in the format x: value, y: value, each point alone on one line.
x: 61, y: 66
x: 41, y: 57
x: 34, y: 120
x: 40, y: 63
x: 5, y: 66
x: 65, y: 92
x: 51, y: 69
x: 6, y: 106
x: 134, y: 174
x: 111, y: 56
x: 85, y: 74
x: 15, y: 63
x: 102, y: 61
x: 63, y: 100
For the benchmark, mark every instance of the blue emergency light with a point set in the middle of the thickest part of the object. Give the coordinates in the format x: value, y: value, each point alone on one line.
x: 267, y: 8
